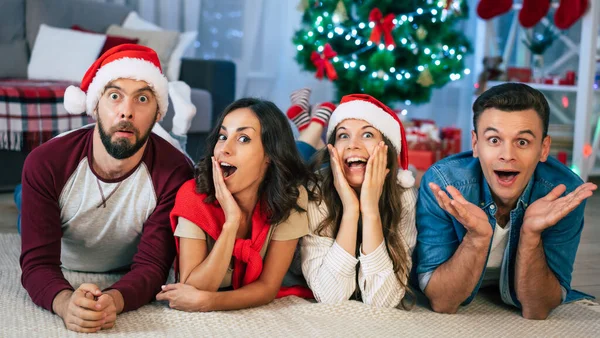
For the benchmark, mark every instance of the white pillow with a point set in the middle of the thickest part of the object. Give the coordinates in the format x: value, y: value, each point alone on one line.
x: 133, y: 21
x: 63, y: 54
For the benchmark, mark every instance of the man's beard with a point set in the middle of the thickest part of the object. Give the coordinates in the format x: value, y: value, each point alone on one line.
x: 122, y: 148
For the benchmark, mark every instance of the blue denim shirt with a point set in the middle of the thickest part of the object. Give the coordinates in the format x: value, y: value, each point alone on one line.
x: 439, y: 234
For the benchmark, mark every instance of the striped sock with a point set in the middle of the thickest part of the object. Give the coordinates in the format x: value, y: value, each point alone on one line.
x: 299, y: 116
x: 323, y: 113
x: 301, y: 97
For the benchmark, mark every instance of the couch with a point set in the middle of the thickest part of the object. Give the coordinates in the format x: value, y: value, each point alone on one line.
x: 212, y: 81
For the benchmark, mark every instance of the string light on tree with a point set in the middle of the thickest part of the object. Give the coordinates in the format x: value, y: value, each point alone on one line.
x: 384, y: 48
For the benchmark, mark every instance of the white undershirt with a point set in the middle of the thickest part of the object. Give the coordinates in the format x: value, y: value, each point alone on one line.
x: 499, y: 242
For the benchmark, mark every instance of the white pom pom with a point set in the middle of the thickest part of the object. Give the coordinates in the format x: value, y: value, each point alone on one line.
x: 405, y: 178
x: 74, y: 100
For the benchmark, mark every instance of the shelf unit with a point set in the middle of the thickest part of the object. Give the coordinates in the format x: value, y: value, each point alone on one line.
x: 586, y: 51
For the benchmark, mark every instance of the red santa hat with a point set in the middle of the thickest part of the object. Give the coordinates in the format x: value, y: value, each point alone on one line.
x: 367, y: 108
x: 126, y: 61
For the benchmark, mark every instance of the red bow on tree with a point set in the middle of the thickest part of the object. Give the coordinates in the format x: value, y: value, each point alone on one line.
x: 383, y: 26
x: 324, y: 66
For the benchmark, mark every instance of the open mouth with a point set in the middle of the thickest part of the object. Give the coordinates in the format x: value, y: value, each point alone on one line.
x: 506, y: 177
x: 356, y: 162
x: 227, y: 169
x: 124, y: 132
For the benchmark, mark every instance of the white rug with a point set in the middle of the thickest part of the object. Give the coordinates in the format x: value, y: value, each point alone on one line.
x: 290, y: 316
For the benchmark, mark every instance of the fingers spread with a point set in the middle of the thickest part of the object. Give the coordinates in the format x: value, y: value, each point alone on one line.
x: 456, y: 195
x: 556, y: 192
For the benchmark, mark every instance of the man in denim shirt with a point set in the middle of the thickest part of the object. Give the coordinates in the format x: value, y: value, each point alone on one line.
x: 504, y: 214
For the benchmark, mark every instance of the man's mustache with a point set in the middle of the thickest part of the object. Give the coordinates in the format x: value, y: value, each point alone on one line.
x: 125, y: 126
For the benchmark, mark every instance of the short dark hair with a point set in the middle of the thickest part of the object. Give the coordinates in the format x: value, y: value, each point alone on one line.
x: 285, y: 173
x: 511, y: 97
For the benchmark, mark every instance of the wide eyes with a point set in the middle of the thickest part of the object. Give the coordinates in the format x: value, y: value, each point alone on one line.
x: 116, y: 96
x: 521, y: 142
x: 241, y: 139
x: 346, y: 136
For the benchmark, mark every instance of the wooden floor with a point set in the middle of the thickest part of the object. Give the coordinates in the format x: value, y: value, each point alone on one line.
x: 586, y: 274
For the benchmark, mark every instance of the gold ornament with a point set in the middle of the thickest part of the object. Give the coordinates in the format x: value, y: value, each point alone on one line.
x: 425, y: 79
x: 340, y: 11
x: 421, y: 33
x: 302, y: 5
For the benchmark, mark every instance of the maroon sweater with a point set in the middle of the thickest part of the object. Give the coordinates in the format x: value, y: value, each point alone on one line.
x: 46, y: 171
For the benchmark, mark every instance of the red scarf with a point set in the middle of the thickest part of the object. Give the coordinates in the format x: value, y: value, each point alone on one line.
x: 247, y: 262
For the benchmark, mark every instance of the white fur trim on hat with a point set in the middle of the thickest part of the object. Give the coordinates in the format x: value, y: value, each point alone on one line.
x: 74, y: 100
x: 405, y: 178
x: 363, y: 110
x: 129, y: 68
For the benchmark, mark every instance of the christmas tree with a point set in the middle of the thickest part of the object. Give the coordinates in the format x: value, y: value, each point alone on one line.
x: 395, y: 50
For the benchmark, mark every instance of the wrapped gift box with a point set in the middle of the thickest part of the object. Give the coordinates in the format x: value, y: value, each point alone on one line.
x: 451, y: 141
x: 427, y: 144
x: 423, y: 159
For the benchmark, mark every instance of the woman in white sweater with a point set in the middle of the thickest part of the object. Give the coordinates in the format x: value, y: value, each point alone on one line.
x: 362, y: 231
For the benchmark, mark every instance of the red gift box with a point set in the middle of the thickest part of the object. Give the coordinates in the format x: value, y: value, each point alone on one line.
x: 423, y: 159
x: 451, y: 141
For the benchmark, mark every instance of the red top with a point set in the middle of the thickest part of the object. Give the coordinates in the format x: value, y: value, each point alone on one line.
x: 247, y: 262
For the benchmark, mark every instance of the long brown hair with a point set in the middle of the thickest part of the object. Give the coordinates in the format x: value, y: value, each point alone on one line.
x: 286, y: 172
x: 390, y: 207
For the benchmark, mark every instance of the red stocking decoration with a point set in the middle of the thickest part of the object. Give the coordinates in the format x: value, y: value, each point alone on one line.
x: 533, y: 11
x: 569, y: 12
x: 488, y: 9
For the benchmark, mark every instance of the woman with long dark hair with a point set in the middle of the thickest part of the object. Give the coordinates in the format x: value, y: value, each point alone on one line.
x: 362, y: 227
x: 237, y: 223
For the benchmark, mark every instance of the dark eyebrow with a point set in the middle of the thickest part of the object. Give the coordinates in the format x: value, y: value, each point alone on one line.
x: 239, y: 129
x: 364, y: 127
x: 526, y: 131
x: 113, y: 87
x: 143, y: 89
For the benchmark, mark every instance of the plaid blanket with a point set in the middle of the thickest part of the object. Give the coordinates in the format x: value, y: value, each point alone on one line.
x: 32, y: 112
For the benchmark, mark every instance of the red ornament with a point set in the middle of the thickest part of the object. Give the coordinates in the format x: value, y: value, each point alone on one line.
x: 324, y: 66
x: 383, y: 26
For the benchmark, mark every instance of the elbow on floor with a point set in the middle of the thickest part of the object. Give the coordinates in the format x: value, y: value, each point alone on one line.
x: 535, y: 315
x: 444, y: 308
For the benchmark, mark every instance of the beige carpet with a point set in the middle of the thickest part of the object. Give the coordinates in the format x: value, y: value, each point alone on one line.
x: 286, y: 317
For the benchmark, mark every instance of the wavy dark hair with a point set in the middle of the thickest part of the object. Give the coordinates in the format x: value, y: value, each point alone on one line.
x: 390, y: 206
x: 286, y: 170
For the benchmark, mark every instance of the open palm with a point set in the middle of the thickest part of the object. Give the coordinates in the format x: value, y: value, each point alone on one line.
x: 473, y: 218
x: 550, y: 209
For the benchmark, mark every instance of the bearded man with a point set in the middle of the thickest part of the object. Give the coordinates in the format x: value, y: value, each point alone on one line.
x: 97, y: 199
